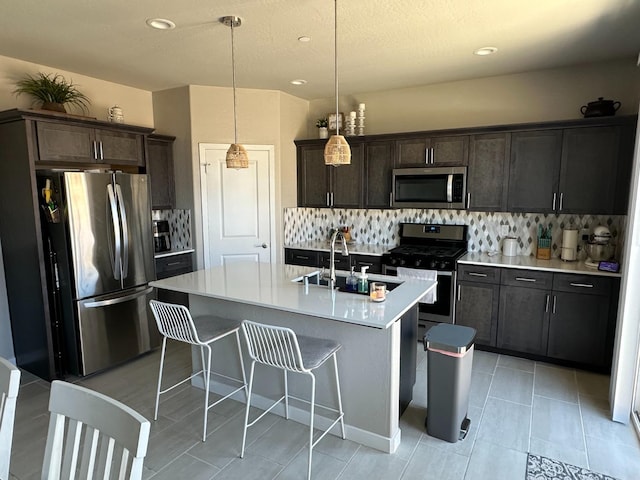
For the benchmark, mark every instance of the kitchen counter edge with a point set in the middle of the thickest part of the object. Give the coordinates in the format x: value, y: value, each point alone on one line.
x: 532, y: 263
x: 356, y: 248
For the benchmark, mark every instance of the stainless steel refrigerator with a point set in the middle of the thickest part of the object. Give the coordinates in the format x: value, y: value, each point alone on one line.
x: 98, y: 236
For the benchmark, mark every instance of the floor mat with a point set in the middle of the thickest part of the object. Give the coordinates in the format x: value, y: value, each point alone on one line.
x: 543, y: 468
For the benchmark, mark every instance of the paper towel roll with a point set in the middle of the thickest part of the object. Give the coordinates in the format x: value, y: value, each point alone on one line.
x: 569, y: 250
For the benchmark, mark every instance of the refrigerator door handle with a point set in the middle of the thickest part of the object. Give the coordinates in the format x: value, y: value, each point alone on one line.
x: 125, y: 232
x: 115, y: 301
x: 115, y: 261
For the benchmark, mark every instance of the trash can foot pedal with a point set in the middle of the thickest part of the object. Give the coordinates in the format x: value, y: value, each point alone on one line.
x: 464, y: 428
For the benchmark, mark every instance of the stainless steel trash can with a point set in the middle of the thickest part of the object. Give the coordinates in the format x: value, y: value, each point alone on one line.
x: 449, y: 361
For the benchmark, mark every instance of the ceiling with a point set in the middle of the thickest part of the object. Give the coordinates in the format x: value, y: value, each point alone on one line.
x: 382, y: 44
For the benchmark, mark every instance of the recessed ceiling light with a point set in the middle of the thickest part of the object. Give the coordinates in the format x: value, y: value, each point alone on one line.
x: 161, y: 23
x: 298, y: 81
x: 485, y: 51
x: 304, y: 39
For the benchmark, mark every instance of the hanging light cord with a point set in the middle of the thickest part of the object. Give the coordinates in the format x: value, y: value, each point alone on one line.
x: 233, y: 81
x: 335, y: 56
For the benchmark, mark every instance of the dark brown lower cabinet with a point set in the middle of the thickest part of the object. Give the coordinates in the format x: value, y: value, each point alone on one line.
x: 523, y: 322
x: 170, y: 267
x: 477, y: 307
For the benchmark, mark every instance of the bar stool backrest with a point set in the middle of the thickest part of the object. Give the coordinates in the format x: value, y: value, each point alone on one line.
x: 9, y: 386
x: 92, y: 436
x: 275, y: 346
x: 175, y: 322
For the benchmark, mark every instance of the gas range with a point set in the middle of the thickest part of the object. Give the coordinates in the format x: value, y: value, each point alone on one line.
x: 428, y: 247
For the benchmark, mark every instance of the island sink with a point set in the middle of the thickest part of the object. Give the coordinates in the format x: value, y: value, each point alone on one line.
x: 316, y: 278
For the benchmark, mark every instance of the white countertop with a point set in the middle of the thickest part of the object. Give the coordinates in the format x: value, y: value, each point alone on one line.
x: 533, y: 263
x: 171, y: 253
x: 270, y: 285
x: 357, y: 248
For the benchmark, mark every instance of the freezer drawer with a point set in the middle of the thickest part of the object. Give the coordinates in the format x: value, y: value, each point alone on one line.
x: 115, y: 328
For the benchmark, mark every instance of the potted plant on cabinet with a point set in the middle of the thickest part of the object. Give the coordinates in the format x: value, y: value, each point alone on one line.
x: 53, y: 91
x: 322, y: 124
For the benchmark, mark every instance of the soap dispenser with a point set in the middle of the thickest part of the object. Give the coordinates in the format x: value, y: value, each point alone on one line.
x: 363, y: 281
x: 352, y: 281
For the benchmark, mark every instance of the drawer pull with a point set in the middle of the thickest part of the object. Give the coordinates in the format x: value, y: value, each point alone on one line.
x: 583, y: 285
x: 475, y: 274
x: 173, y: 263
x: 365, y: 263
x: 302, y: 257
x: 525, y: 279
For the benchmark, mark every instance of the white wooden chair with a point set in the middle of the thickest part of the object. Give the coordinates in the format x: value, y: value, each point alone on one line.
x: 92, y: 436
x: 9, y: 386
x: 280, y: 347
x: 175, y: 322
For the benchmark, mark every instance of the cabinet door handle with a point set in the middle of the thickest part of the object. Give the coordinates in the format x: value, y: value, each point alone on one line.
x: 332, y: 199
x: 95, y: 150
x: 525, y: 279
x: 561, y: 198
x: 433, y: 156
x: 101, y: 152
x: 583, y: 285
x: 390, y: 199
x: 426, y: 156
x: 546, y: 306
x: 553, y: 310
x: 468, y: 199
x: 327, y: 202
x: 459, y: 291
x: 553, y: 207
x: 475, y: 274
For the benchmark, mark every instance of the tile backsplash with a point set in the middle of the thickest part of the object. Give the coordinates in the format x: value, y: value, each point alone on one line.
x: 380, y: 227
x: 179, y: 225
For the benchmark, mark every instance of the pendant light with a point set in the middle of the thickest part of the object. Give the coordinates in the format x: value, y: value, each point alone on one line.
x: 337, y: 151
x: 236, y: 155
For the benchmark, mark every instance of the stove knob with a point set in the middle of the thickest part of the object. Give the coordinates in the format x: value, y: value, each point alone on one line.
x: 393, y: 261
x: 417, y: 262
x: 403, y: 262
x: 443, y: 265
x: 432, y: 264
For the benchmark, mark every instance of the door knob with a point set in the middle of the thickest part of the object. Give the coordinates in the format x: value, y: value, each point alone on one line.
x: 264, y: 245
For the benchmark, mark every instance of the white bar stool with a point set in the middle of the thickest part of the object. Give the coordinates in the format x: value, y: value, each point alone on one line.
x: 281, y: 348
x: 175, y: 322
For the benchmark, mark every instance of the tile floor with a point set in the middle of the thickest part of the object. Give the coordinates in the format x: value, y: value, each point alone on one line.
x: 516, y: 406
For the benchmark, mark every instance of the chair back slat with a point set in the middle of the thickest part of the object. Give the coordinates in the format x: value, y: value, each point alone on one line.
x: 174, y: 321
x: 113, y: 437
x: 9, y: 386
x: 274, y: 346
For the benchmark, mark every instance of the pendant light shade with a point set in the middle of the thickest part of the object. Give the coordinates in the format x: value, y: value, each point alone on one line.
x: 236, y: 155
x: 337, y: 151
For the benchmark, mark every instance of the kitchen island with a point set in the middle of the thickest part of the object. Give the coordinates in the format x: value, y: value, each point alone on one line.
x: 374, y: 337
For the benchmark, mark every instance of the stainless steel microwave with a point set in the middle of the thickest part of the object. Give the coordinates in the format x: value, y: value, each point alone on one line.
x: 435, y: 187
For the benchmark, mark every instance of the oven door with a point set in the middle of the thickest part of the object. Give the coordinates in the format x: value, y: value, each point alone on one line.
x: 440, y: 311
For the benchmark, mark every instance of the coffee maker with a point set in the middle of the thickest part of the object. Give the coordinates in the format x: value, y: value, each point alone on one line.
x: 161, y: 236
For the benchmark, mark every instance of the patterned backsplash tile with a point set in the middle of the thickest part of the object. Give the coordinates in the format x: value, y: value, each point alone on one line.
x: 180, y: 225
x: 380, y: 227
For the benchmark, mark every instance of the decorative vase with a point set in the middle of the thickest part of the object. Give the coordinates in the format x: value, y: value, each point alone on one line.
x: 54, y: 107
x: 323, y: 132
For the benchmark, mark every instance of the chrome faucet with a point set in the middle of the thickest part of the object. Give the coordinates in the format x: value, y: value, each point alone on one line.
x: 332, y: 262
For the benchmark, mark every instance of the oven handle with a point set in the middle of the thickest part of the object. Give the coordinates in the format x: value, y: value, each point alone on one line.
x: 393, y: 271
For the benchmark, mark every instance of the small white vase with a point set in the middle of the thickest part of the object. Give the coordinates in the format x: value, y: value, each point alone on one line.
x: 323, y: 132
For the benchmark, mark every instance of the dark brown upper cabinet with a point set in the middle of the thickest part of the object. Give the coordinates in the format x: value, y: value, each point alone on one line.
x: 534, y: 171
x: 64, y: 143
x: 160, y: 170
x: 433, y: 151
x: 378, y: 165
x: 488, y: 174
x: 320, y: 185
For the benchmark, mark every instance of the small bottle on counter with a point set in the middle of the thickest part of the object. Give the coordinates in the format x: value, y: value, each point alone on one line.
x: 363, y: 281
x: 352, y: 281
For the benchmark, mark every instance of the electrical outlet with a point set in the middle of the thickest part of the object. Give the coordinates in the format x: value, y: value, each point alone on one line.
x: 504, y: 230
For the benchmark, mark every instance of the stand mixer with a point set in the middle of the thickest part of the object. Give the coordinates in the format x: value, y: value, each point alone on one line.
x: 599, y: 247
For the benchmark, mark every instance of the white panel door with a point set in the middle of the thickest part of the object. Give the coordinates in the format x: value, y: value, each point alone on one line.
x: 237, y: 206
